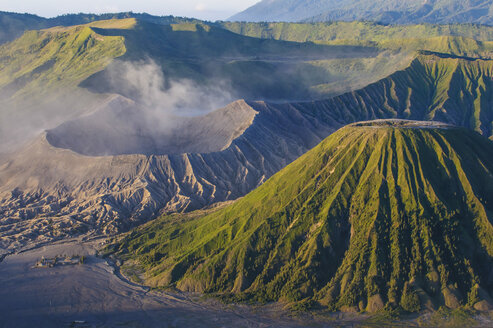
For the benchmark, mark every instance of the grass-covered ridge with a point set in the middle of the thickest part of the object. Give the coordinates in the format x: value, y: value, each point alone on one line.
x: 357, y: 30
x: 375, y: 216
x: 436, y: 87
x: 457, y: 39
x: 13, y: 25
x: 345, y: 56
x: 40, y: 75
x: 63, y: 56
x: 254, y: 68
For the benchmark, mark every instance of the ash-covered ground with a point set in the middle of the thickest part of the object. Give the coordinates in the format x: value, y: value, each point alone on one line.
x: 92, y: 295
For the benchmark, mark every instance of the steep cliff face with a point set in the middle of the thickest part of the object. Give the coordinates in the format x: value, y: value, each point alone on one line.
x: 381, y: 213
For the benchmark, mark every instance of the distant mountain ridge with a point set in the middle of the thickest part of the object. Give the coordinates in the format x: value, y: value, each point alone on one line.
x: 385, y: 11
x: 13, y: 25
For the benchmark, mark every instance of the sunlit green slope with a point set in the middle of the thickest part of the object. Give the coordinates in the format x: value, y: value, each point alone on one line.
x: 459, y: 39
x: 48, y: 59
x: 13, y: 25
x: 40, y: 73
x: 434, y: 87
x: 391, y: 213
x: 359, y: 31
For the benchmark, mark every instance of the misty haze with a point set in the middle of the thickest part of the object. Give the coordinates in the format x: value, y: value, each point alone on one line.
x: 151, y: 115
x: 302, y: 163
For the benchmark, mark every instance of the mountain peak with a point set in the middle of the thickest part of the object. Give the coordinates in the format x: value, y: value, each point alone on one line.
x: 397, y: 215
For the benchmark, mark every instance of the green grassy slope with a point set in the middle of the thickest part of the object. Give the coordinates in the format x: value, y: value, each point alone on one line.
x: 39, y: 77
x: 455, y: 45
x: 199, y: 52
x: 434, y: 87
x: 45, y: 60
x: 67, y: 55
x: 13, y: 25
x: 280, y: 70
x: 459, y: 39
x: 255, y: 68
x: 374, y: 216
x: 359, y: 31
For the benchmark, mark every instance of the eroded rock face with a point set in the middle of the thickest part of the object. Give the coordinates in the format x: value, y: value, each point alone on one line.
x: 375, y: 303
x: 48, y: 193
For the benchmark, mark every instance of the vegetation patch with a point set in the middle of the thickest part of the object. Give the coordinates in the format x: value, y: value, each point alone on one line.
x: 388, y: 219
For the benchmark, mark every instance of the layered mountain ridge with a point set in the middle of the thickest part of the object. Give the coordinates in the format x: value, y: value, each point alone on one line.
x: 380, y: 214
x: 385, y: 11
x: 15, y: 24
x: 174, y: 162
x: 51, y: 76
x: 433, y: 87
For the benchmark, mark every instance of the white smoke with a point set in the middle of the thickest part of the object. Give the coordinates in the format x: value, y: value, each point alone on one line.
x: 158, y: 103
x: 151, y: 115
x: 152, y: 90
